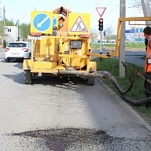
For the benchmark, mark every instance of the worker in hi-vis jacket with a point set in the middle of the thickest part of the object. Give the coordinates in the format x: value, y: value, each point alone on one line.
x: 147, y: 70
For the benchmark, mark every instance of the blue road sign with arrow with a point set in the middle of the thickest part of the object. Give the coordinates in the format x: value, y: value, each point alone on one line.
x: 54, y: 21
x: 42, y: 22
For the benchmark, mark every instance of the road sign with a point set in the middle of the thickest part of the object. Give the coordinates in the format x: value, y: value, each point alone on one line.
x: 41, y: 22
x: 55, y: 21
x: 101, y: 10
x: 79, y: 26
x: 79, y: 23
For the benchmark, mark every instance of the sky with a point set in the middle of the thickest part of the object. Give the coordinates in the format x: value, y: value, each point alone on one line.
x: 21, y: 10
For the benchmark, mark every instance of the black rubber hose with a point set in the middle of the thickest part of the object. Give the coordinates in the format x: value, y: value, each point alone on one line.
x: 134, y: 102
x: 107, y: 75
x: 78, y: 73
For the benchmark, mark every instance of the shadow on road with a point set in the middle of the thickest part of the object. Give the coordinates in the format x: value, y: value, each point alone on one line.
x: 19, y: 65
x: 17, y: 78
x: 65, y: 82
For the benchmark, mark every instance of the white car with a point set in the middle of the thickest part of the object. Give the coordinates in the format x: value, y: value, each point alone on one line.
x: 17, y: 50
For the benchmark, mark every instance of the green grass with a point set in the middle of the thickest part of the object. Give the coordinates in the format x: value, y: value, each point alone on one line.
x: 137, y: 92
x: 143, y: 109
x: 128, y: 46
x: 139, y: 45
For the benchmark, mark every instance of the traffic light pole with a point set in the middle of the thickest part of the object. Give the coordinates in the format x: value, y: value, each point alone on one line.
x: 101, y: 29
x: 100, y: 42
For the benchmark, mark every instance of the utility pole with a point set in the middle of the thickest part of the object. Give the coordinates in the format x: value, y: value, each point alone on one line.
x: 4, y: 22
x: 18, y: 29
x: 18, y: 25
x: 122, y: 43
x: 146, y: 10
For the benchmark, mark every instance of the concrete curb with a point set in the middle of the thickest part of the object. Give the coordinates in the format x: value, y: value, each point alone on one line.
x: 126, y: 106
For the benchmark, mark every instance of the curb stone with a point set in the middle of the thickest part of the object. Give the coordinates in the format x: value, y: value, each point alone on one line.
x: 135, y: 114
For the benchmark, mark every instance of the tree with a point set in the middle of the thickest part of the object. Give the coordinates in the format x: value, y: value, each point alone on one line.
x: 9, y: 22
x: 137, y: 4
x: 109, y: 32
x: 94, y: 35
x: 24, y: 30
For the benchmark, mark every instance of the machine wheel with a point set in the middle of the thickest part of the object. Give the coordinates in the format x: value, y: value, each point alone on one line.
x: 29, y: 57
x: 147, y: 85
x: 147, y: 89
x: 28, y: 77
x: 7, y: 60
x: 90, y: 81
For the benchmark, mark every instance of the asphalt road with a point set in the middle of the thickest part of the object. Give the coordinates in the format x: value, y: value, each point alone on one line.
x: 65, y: 115
x: 134, y: 57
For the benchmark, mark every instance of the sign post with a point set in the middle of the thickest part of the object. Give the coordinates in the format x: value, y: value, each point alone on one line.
x: 101, y: 46
x: 101, y: 29
x: 101, y: 11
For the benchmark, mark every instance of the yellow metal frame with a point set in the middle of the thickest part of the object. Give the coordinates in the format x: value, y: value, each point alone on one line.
x: 47, y: 66
x: 120, y: 21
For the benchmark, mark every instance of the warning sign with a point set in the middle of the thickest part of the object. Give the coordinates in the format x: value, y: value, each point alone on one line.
x: 79, y: 23
x: 79, y: 26
x: 101, y: 10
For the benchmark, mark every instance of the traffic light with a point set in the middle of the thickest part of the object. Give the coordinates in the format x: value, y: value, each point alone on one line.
x: 100, y: 24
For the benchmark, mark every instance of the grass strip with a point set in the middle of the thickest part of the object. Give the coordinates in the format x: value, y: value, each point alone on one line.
x: 137, y: 92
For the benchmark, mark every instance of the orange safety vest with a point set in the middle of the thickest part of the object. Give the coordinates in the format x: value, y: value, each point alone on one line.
x: 148, y: 58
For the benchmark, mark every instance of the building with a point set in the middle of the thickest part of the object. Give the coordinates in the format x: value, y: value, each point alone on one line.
x: 11, y: 33
x: 135, y: 35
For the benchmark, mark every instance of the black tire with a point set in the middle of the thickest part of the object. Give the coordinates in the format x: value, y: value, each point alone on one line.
x: 28, y: 77
x: 147, y: 85
x: 90, y: 81
x: 7, y: 60
x: 29, y: 57
x: 147, y: 89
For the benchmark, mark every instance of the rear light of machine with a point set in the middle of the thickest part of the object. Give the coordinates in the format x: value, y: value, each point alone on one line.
x: 66, y: 49
x: 25, y: 49
x: 6, y: 49
x: 85, y: 36
x: 75, y: 44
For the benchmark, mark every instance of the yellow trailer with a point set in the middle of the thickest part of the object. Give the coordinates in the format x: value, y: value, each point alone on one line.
x: 60, y: 45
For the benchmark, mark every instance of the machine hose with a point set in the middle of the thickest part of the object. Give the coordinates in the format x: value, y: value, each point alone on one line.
x: 83, y: 74
x: 129, y: 100
x: 107, y: 75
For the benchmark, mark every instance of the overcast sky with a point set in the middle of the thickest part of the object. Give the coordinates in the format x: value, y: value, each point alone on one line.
x: 17, y: 9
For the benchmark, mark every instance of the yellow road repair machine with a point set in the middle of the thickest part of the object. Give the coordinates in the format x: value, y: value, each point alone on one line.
x: 60, y: 45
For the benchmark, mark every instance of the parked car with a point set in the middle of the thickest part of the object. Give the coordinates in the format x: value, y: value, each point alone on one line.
x: 17, y: 50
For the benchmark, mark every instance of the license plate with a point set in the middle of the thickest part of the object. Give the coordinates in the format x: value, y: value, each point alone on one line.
x: 15, y: 54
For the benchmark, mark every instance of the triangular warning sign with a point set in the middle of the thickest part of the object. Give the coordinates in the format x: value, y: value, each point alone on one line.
x: 79, y: 26
x: 101, y: 10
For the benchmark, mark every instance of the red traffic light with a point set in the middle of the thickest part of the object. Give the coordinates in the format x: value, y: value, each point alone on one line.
x: 100, y: 24
x: 101, y: 20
